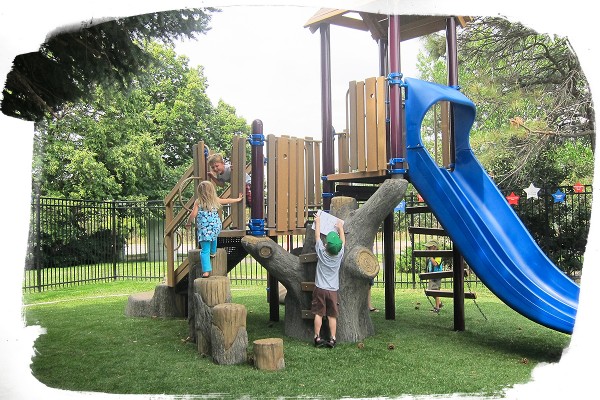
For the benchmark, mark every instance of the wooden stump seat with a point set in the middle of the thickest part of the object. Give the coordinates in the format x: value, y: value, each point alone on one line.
x: 228, y: 335
x: 268, y: 354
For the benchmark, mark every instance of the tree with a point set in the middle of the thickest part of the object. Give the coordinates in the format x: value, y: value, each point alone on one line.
x: 132, y: 144
x: 534, y: 110
x: 71, y: 62
x: 358, y: 267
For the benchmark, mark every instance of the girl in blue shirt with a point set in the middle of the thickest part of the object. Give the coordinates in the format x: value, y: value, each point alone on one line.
x: 208, y: 222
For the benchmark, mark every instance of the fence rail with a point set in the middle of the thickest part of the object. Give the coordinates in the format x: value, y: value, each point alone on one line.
x: 74, y: 242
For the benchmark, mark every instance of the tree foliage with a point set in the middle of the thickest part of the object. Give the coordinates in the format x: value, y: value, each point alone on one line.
x: 72, y: 62
x: 132, y: 144
x: 534, y: 111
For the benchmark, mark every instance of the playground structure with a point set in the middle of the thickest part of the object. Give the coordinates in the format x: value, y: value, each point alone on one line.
x: 381, y: 142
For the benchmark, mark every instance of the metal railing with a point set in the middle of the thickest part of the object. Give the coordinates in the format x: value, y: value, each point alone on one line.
x: 77, y: 241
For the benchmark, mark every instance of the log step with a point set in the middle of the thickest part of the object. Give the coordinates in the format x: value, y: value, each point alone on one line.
x: 307, y: 314
x: 308, y: 258
x: 307, y: 286
x: 447, y: 293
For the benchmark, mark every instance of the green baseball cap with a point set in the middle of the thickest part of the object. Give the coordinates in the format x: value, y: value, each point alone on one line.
x: 334, y: 243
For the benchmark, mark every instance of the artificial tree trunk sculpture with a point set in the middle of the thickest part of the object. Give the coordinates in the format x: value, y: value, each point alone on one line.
x: 359, y: 264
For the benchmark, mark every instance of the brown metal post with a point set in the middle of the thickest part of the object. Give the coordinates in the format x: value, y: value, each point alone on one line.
x: 452, y: 57
x: 396, y: 117
x: 326, y: 115
x: 395, y: 153
x: 457, y: 259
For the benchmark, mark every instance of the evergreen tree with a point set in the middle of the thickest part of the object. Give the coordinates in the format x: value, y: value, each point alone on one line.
x: 71, y: 62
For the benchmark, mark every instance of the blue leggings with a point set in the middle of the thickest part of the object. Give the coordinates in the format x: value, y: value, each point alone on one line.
x: 208, y: 247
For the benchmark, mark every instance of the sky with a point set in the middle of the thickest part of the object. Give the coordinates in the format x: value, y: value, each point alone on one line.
x: 271, y: 72
x: 284, y: 93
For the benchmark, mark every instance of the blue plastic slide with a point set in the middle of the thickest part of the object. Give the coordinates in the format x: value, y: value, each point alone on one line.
x: 479, y: 220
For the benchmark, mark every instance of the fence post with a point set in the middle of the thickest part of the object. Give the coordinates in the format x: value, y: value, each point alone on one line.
x: 37, y: 249
x: 114, y: 237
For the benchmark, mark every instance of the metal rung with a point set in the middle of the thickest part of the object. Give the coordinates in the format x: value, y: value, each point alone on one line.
x: 438, y: 275
x: 418, y: 230
x: 447, y: 293
x: 432, y: 253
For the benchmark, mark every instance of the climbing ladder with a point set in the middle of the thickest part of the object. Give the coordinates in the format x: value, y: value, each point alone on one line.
x: 457, y: 295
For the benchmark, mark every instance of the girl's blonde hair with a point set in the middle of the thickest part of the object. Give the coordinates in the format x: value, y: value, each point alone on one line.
x: 207, y: 196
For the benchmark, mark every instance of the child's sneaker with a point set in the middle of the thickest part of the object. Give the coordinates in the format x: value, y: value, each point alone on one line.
x: 331, y: 343
x: 435, y: 310
x: 319, y: 342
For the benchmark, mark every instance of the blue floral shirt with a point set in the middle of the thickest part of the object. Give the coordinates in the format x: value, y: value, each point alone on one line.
x: 208, y: 224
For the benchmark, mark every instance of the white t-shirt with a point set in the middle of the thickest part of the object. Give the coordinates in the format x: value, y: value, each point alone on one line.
x: 328, y: 268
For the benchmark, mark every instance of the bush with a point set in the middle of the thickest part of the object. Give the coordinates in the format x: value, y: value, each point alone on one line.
x: 96, y: 247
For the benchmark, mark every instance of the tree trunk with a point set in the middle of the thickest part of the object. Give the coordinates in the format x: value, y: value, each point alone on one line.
x: 359, y: 264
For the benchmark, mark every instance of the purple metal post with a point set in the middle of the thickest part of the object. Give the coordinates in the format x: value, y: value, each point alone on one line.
x: 326, y: 114
x: 257, y: 209
x: 395, y: 151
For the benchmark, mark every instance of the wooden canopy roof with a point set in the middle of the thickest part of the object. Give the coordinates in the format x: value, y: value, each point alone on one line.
x: 411, y: 26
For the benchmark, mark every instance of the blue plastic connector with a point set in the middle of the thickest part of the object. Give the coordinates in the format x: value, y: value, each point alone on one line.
x: 257, y: 139
x: 393, y: 162
x: 257, y: 227
x: 395, y: 78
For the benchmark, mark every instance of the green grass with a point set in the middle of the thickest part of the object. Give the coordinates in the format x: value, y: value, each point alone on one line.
x: 90, y: 345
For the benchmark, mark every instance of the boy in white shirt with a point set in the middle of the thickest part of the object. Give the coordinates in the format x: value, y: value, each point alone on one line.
x: 327, y: 280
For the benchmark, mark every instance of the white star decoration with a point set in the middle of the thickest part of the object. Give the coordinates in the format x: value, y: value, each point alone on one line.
x: 532, y: 191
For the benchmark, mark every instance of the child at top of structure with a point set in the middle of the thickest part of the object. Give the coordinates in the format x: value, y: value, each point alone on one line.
x: 220, y: 173
x: 327, y: 280
x: 208, y: 222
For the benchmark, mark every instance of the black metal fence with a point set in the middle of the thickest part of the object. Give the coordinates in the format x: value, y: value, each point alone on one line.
x: 76, y: 241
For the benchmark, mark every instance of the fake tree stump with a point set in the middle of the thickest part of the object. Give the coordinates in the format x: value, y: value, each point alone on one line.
x: 228, y: 335
x: 268, y: 354
x: 208, y: 293
x: 195, y: 272
x: 359, y: 265
x: 219, y: 263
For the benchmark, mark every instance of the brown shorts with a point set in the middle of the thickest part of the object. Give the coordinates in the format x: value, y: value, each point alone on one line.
x: 324, y: 302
